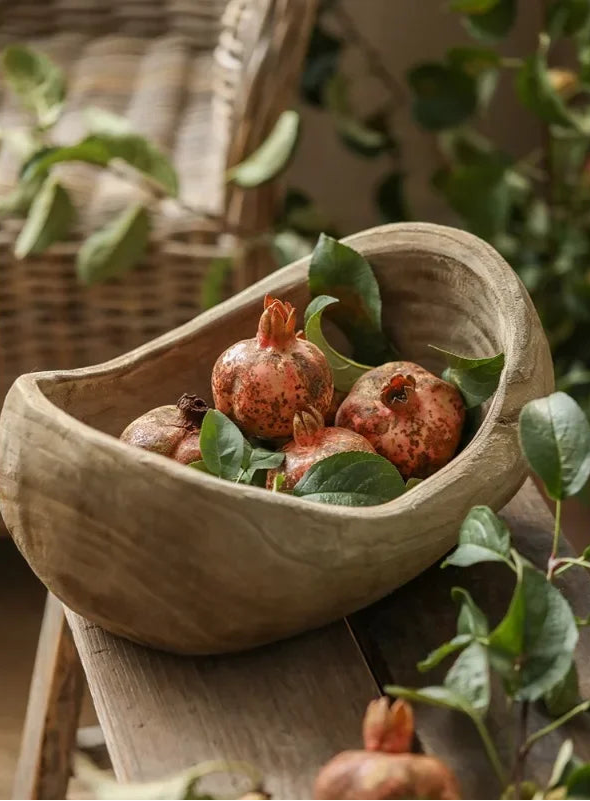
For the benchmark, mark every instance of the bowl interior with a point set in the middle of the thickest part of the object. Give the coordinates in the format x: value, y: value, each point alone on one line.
x: 427, y: 300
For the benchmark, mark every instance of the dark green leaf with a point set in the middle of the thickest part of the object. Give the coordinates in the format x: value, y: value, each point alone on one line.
x: 481, y: 64
x: 563, y: 696
x: 555, y: 439
x: 358, y: 135
x: 476, y: 379
x: 442, y: 95
x: 344, y: 371
x: 116, y: 248
x: 200, y: 465
x: 566, y: 17
x: 471, y: 619
x: 483, y: 538
x: 50, y: 218
x: 321, y: 64
x: 222, y: 445
x: 260, y: 459
x: 493, y: 24
x: 473, y: 6
x: 92, y: 151
x: 532, y: 647
x: 435, y: 657
x: 469, y: 677
x: 351, y: 479
x: 578, y: 782
x: 214, y: 287
x: 272, y: 156
x: 302, y: 215
x: 390, y: 198
x: 341, y: 272
x: 36, y: 80
x: 536, y: 92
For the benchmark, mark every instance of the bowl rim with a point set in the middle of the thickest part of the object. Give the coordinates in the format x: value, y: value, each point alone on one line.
x: 436, y: 240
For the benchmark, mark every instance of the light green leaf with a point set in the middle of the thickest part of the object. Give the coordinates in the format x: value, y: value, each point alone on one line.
x: 272, y: 156
x: 493, y: 24
x: 469, y: 678
x: 89, y: 150
x: 344, y: 371
x: 436, y: 657
x: 471, y: 619
x: 36, y: 80
x: 435, y: 696
x: 50, y: 218
x: 214, y: 286
x: 476, y: 379
x: 116, y: 248
x: 351, y: 479
x: 289, y: 246
x: 443, y: 96
x: 562, y: 760
x: 359, y: 136
x: 200, y: 465
x: 18, y: 200
x: 260, y: 459
x: 555, y: 439
x: 413, y: 482
x: 101, y: 121
x: 278, y: 482
x: 532, y: 647
x: 222, y: 445
x: 564, y: 695
x: 483, y: 537
x: 339, y: 271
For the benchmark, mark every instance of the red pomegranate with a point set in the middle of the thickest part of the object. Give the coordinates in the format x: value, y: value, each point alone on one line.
x: 260, y: 383
x: 170, y: 430
x: 409, y: 415
x: 311, y: 443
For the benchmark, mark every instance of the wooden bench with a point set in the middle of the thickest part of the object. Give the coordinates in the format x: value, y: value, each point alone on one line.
x: 288, y: 707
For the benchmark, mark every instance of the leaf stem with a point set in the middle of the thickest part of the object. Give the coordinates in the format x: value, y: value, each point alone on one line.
x: 521, y: 754
x: 555, y: 547
x: 490, y: 748
x: 555, y: 724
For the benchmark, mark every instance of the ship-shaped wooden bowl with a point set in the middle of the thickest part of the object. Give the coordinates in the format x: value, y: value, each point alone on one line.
x: 177, y: 559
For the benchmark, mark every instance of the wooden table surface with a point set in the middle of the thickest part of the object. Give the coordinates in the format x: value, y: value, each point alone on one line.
x: 288, y: 707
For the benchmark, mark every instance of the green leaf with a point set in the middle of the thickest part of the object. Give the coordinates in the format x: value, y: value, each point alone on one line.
x: 473, y: 6
x: 200, y: 465
x: 536, y: 92
x: 344, y: 371
x: 222, y: 445
x: 290, y: 246
x: 476, y: 379
x: 359, y: 136
x: 482, y: 64
x: 272, y: 156
x: 493, y: 24
x: 435, y: 696
x: 339, y: 271
x: 36, y: 80
x: 578, y: 782
x: 18, y: 200
x: 278, y: 482
x: 351, y: 479
x: 436, y: 657
x: 555, y: 439
x: 101, y: 121
x: 443, y: 96
x: 321, y: 64
x: 469, y: 678
x: 564, y: 695
x: 560, y: 766
x: 214, y: 285
x: 101, y: 149
x: 567, y: 17
x: 413, y: 482
x: 116, y: 248
x: 532, y: 647
x: 260, y: 459
x: 471, y: 619
x: 390, y: 198
x: 50, y: 218
x: 483, y: 537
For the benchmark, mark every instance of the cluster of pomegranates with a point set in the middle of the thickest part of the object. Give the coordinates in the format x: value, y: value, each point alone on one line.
x: 278, y: 387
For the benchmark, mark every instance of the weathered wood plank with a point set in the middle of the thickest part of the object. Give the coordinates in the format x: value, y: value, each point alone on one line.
x: 286, y: 708
x: 403, y: 628
x: 53, y: 710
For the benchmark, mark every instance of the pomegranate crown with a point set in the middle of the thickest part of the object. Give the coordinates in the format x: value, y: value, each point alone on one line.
x: 400, y: 388
x: 306, y: 425
x: 277, y: 323
x: 193, y: 408
x: 389, y: 728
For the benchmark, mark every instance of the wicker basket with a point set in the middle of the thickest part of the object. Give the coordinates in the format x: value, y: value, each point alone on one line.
x: 206, y: 80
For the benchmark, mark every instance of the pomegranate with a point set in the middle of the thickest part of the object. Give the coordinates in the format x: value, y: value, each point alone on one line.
x: 410, y: 416
x: 311, y: 443
x: 170, y: 430
x: 370, y: 774
x: 388, y: 728
x: 260, y: 383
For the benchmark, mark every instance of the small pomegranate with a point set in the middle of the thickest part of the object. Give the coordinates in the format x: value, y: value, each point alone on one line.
x: 409, y: 415
x: 311, y: 443
x: 260, y: 383
x: 371, y: 774
x: 170, y: 430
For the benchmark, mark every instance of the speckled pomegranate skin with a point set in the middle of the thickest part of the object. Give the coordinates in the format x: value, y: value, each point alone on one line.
x: 168, y: 431
x: 260, y: 383
x: 418, y: 435
x: 313, y: 442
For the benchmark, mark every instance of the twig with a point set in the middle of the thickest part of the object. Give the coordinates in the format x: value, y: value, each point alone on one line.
x: 521, y: 754
x: 490, y: 748
x: 555, y: 724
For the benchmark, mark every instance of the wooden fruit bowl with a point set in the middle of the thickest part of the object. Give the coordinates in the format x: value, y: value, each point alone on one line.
x: 177, y: 559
